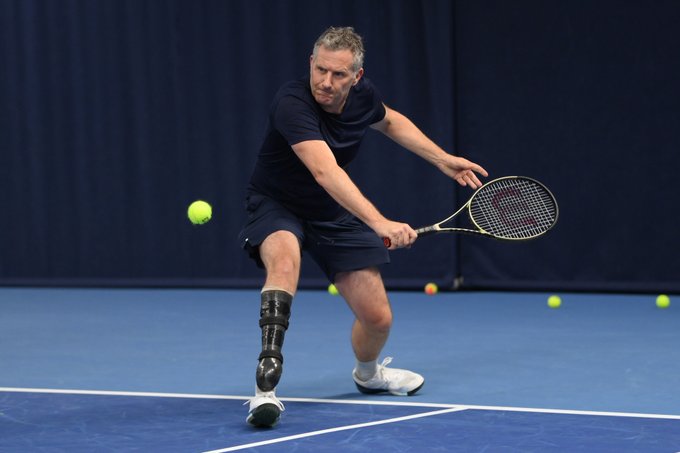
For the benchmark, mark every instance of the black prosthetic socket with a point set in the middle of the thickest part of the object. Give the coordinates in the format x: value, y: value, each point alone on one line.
x: 274, y: 316
x: 268, y: 373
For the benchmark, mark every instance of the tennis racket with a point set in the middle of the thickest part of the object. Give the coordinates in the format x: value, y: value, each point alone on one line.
x: 512, y: 208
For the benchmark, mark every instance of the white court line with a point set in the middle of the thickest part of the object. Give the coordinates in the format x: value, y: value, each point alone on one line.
x: 336, y: 429
x: 332, y: 401
x: 571, y: 412
x: 118, y: 393
x: 219, y: 397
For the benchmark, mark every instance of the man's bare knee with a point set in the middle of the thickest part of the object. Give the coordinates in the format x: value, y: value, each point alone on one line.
x: 285, y: 266
x: 281, y: 256
x: 378, y: 322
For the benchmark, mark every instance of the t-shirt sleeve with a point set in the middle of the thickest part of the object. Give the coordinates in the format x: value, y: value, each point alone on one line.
x: 378, y: 106
x: 379, y: 113
x: 296, y: 120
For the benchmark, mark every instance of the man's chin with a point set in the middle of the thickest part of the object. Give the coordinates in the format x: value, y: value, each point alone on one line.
x: 324, y: 101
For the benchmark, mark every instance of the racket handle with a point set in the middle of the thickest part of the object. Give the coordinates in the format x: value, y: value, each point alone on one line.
x: 387, y: 242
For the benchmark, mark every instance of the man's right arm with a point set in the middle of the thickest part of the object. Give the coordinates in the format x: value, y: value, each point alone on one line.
x: 319, y: 159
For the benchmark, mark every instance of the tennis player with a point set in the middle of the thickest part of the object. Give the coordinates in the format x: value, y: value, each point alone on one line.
x: 300, y: 198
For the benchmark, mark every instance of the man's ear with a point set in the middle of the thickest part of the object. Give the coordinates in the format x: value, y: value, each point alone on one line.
x: 358, y: 76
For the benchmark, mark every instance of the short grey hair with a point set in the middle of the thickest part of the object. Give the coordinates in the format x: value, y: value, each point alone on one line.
x: 341, y: 38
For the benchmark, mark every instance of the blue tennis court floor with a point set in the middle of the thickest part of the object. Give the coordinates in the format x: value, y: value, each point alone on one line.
x: 44, y: 420
x: 108, y: 370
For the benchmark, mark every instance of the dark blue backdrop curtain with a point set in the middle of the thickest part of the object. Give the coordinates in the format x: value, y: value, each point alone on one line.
x: 584, y: 95
x: 115, y: 115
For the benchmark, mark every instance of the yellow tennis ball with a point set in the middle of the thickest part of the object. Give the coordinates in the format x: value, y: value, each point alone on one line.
x: 554, y: 301
x: 199, y: 212
x: 431, y: 289
x: 663, y: 301
x: 332, y: 290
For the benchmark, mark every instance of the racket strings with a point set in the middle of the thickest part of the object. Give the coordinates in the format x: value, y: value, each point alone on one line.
x: 514, y: 208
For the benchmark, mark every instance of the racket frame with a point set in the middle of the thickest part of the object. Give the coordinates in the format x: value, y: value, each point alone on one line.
x: 437, y: 228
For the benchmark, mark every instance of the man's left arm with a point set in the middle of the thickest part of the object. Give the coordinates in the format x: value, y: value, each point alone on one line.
x: 402, y: 130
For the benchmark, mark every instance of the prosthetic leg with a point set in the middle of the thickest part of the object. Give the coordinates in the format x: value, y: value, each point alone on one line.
x: 265, y: 408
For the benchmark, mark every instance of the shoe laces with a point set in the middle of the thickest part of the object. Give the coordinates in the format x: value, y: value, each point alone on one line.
x: 268, y: 395
x: 386, y: 361
x: 380, y: 373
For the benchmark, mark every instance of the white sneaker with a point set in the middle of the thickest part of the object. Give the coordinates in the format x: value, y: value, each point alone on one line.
x: 392, y: 380
x: 265, y: 409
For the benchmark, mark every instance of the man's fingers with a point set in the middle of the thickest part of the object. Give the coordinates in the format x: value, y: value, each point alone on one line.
x: 404, y: 237
x: 469, y: 178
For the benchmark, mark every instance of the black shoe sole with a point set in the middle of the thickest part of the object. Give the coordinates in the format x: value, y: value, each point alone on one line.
x: 375, y: 391
x: 265, y: 416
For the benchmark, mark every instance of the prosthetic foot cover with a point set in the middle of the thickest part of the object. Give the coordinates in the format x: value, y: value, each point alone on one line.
x: 274, y: 316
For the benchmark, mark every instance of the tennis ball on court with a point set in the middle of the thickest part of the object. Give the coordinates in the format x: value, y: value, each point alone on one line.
x: 199, y: 212
x: 554, y: 301
x: 663, y: 301
x: 332, y: 290
x: 431, y: 289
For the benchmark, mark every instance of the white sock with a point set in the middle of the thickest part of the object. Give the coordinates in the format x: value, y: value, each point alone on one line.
x: 366, y: 370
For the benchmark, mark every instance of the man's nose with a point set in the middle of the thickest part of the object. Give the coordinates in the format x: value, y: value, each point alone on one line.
x: 326, y: 81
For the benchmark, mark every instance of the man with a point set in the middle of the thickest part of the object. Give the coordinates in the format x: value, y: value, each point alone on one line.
x: 300, y: 198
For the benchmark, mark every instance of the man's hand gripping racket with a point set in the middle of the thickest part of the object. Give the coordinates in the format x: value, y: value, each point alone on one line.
x: 512, y: 208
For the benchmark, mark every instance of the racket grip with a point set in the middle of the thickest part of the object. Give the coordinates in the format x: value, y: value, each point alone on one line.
x: 387, y: 242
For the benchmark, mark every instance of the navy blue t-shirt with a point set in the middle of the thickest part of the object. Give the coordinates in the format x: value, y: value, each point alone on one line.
x: 295, y: 117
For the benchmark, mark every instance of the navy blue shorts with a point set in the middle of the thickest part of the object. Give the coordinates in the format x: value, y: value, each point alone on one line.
x: 343, y: 244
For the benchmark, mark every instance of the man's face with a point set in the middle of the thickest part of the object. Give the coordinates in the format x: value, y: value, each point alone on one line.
x: 331, y: 77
